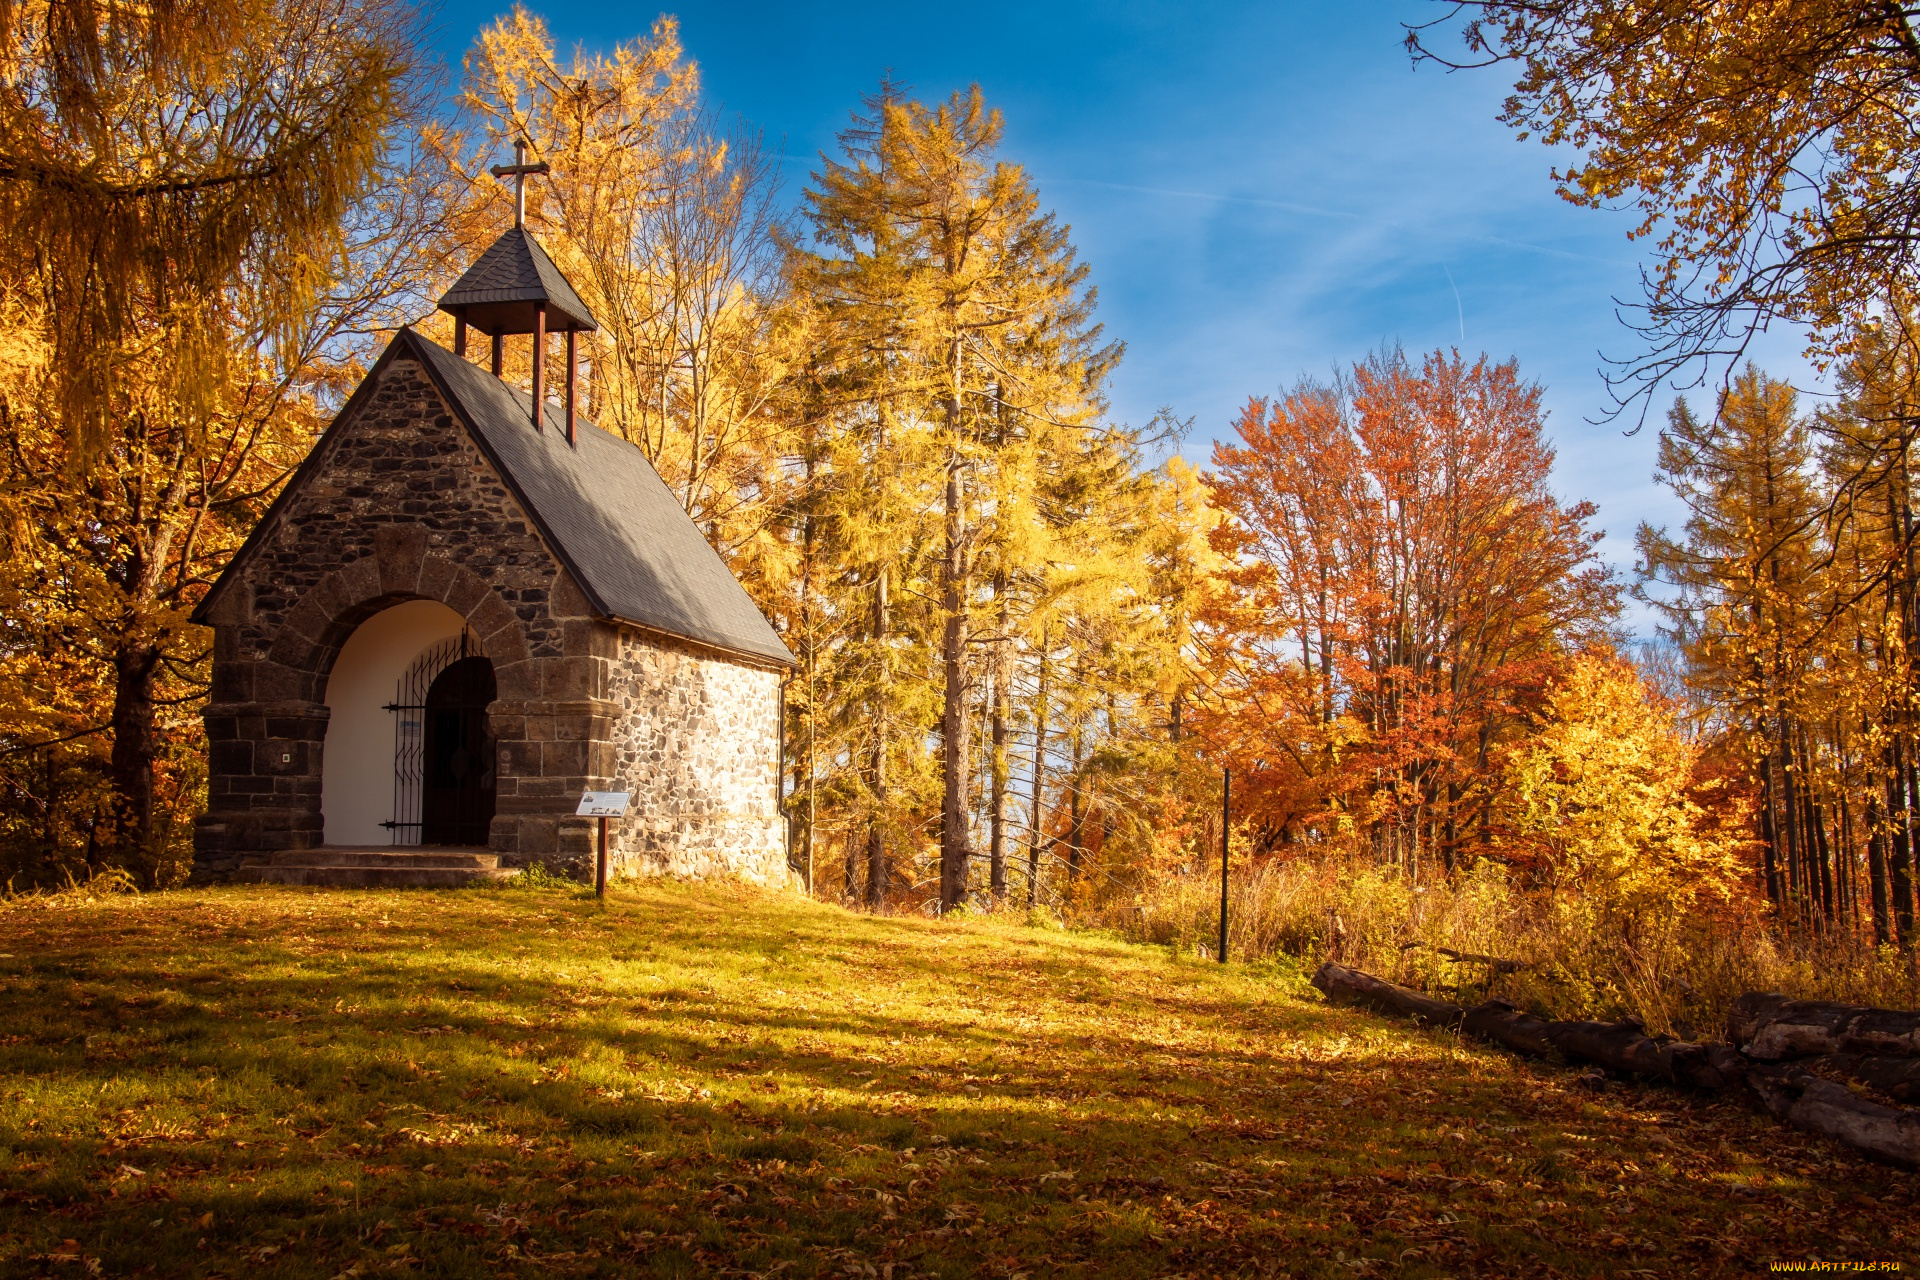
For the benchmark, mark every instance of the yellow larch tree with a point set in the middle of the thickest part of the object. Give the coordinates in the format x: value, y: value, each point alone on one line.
x: 666, y: 227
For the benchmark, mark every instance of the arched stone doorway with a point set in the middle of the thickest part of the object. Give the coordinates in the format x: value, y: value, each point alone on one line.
x: 370, y: 786
x: 457, y: 784
x: 301, y: 724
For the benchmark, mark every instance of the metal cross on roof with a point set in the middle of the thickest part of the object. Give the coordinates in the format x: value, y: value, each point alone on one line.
x: 519, y: 169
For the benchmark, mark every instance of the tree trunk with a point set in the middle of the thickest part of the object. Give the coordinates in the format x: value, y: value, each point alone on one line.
x: 1037, y: 814
x: 798, y: 824
x: 1351, y: 986
x: 799, y: 820
x: 954, y: 851
x: 1790, y: 815
x: 49, y: 845
x: 1823, y: 1107
x: 1618, y: 1046
x: 1624, y: 1047
x: 1846, y: 866
x: 131, y: 763
x: 1501, y: 1023
x: 1899, y: 867
x: 1900, y: 502
x: 1820, y: 853
x: 877, y: 835
x: 1877, y: 872
x: 1076, y: 811
x: 877, y: 778
x: 999, y: 770
x: 1769, y: 834
x: 1912, y: 821
x: 1791, y: 1093
x: 1898, y: 1078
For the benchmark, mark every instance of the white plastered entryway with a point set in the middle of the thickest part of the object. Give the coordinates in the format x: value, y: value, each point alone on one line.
x: 356, y: 780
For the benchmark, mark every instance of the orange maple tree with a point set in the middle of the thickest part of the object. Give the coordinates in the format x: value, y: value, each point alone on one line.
x: 1405, y: 584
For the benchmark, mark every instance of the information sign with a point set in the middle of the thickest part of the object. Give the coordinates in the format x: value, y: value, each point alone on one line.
x: 602, y: 804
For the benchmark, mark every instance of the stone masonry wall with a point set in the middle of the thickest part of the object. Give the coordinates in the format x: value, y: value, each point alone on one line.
x: 403, y: 505
x: 697, y: 742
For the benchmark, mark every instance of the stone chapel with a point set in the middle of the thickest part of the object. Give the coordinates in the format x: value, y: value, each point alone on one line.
x: 470, y: 605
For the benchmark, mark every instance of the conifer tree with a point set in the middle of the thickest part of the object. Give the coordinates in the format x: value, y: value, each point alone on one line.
x: 972, y: 318
x: 1744, y: 582
x: 880, y: 483
x: 1869, y: 447
x: 157, y: 158
x: 204, y: 217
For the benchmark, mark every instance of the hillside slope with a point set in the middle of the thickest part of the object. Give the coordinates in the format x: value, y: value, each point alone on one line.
x: 697, y: 1080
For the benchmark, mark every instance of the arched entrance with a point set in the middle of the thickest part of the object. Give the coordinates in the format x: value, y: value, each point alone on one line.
x: 375, y: 694
x: 457, y: 792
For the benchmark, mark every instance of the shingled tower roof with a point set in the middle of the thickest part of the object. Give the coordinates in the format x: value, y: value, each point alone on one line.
x: 499, y: 293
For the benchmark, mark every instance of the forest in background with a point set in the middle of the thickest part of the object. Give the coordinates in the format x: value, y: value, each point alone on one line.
x: 1031, y: 637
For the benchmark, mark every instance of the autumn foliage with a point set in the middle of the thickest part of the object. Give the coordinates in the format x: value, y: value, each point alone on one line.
x: 1030, y: 635
x: 1403, y: 588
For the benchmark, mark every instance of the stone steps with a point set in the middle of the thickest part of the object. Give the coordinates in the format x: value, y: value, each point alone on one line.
x: 382, y: 867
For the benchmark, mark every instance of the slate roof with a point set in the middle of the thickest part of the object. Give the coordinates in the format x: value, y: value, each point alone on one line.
x: 516, y: 269
x: 607, y: 513
x: 599, y: 505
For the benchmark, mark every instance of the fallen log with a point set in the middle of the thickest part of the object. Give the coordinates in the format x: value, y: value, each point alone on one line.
x: 1618, y: 1046
x: 1791, y: 1093
x: 1821, y: 1106
x: 1898, y: 1078
x: 1711, y: 1067
x: 1500, y: 1022
x: 1771, y: 1027
x: 1337, y: 982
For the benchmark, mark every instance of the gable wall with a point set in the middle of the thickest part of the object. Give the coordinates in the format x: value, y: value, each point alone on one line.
x: 404, y: 465
x: 401, y: 506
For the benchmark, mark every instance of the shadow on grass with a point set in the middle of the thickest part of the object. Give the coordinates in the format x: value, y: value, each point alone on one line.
x: 297, y: 1083
x: 304, y: 1080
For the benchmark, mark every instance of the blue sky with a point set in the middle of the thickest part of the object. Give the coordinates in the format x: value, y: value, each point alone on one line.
x: 1262, y: 190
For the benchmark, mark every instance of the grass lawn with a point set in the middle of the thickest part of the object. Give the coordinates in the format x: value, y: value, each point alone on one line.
x: 708, y: 1080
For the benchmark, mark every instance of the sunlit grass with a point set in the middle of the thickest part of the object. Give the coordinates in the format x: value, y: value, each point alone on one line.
x: 693, y: 1080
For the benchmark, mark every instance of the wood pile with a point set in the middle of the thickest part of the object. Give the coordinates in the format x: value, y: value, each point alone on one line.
x: 1783, y: 1053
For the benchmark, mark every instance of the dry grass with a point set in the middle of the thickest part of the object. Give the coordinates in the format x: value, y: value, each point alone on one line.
x: 701, y: 1080
x: 1675, y: 974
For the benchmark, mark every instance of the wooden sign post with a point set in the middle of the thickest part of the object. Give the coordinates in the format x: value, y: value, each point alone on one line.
x: 1226, y: 824
x: 602, y: 805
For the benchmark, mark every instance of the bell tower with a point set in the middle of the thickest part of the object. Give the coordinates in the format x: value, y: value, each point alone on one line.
x: 515, y: 288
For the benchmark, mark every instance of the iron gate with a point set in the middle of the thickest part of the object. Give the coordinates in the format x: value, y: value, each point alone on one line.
x: 409, y: 708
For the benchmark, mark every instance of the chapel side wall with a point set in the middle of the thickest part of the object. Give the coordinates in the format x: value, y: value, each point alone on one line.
x: 697, y: 743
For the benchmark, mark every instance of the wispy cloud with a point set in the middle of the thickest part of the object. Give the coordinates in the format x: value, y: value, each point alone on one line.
x: 1459, y: 306
x: 1348, y: 215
